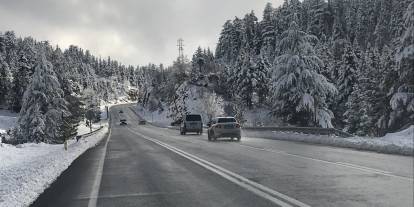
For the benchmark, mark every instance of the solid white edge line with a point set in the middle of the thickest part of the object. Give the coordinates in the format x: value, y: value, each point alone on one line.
x: 245, y: 183
x: 93, y: 198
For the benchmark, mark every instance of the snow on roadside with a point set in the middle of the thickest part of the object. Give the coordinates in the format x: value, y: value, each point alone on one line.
x: 393, y: 143
x: 27, y: 170
x: 7, y: 120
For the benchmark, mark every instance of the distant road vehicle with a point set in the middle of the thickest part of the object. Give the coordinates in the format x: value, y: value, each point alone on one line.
x: 176, y: 123
x: 224, y: 127
x: 191, y: 123
x: 123, y: 122
x: 142, y: 122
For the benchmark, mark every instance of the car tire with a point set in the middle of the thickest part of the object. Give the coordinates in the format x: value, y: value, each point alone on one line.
x: 212, y: 136
x: 209, y: 136
x: 238, y: 139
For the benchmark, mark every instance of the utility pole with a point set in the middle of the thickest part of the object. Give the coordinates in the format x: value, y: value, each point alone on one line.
x: 180, y: 45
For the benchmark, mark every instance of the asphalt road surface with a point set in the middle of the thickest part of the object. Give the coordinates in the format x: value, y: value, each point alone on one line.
x: 144, y: 165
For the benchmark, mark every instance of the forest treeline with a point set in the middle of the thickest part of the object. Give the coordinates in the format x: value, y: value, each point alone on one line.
x: 347, y: 64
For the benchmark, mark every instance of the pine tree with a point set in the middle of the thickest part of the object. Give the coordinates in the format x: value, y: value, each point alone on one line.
x: 43, y: 107
x: 244, y: 78
x: 5, y: 80
x: 297, y: 85
x: 347, y: 79
x: 402, y: 101
x: 268, y: 32
x: 362, y: 31
x: 24, y: 70
x: 198, y: 64
x: 382, y: 29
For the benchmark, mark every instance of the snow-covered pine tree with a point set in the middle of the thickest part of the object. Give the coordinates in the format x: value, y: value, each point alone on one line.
x: 5, y: 79
x: 198, y: 63
x: 297, y: 87
x: 262, y: 78
x: 24, y: 69
x: 353, y: 115
x: 346, y: 79
x: 223, y: 48
x: 43, y: 106
x: 388, y: 78
x: 402, y: 101
x: 245, y: 77
x: 363, y: 105
x: 361, y: 33
x: 92, y: 105
x: 382, y: 30
x: 268, y: 32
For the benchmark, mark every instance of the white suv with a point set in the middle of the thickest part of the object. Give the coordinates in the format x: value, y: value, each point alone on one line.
x: 224, y: 127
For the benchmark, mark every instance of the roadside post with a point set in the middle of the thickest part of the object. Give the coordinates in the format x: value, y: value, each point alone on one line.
x: 66, y: 144
x: 107, y: 112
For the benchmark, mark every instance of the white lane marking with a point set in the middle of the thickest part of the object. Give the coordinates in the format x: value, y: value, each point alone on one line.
x: 343, y: 164
x: 256, y: 188
x: 133, y: 195
x: 363, y: 167
x: 93, y: 198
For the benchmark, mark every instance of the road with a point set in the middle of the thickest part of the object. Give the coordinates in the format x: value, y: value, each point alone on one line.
x: 144, y: 165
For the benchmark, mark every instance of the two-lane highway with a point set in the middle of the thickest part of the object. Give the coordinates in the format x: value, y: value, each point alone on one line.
x: 151, y: 166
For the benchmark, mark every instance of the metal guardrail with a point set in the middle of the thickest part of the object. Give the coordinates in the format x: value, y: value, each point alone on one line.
x: 306, y: 130
x: 91, y: 133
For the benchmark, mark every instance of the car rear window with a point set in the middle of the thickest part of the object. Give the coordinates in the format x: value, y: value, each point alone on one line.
x: 226, y: 120
x: 193, y: 118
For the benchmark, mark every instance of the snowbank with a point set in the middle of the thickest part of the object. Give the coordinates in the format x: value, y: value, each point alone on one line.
x: 7, y: 120
x: 27, y: 169
x: 394, y: 143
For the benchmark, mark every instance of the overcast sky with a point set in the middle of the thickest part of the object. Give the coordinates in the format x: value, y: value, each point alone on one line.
x: 134, y: 32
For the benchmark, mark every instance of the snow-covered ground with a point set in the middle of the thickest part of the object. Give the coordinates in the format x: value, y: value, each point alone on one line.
x: 27, y: 170
x: 7, y: 120
x: 394, y: 143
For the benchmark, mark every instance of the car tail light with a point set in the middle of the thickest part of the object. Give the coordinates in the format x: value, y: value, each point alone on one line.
x: 237, y: 125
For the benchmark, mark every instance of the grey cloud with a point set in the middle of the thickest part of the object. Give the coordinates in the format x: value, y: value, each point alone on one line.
x: 132, y: 31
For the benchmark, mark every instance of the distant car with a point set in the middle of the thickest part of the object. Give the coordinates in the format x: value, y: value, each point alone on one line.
x: 224, y: 127
x: 123, y: 122
x: 120, y: 111
x: 142, y: 122
x: 176, y: 123
x: 192, y: 123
